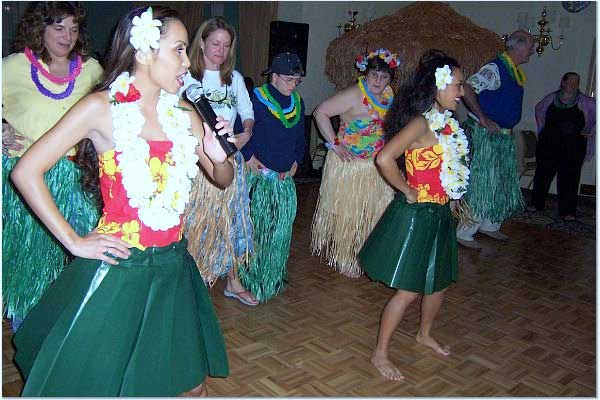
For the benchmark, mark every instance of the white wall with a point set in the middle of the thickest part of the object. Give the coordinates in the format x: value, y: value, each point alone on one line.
x: 543, y: 73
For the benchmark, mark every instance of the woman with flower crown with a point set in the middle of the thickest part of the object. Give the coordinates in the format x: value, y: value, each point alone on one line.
x: 49, y: 72
x: 131, y: 315
x: 413, y: 246
x: 353, y: 195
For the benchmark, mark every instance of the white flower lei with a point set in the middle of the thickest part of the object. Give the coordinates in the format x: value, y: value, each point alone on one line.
x: 158, y: 210
x: 454, y: 173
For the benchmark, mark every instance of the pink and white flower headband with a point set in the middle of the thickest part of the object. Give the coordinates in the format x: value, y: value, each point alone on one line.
x: 391, y: 59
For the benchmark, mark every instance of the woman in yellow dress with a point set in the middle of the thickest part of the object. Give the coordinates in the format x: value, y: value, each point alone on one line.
x: 49, y: 72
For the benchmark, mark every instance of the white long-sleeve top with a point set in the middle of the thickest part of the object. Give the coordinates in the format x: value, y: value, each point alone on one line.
x: 226, y: 100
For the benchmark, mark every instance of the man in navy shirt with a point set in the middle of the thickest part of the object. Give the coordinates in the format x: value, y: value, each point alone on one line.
x: 272, y: 155
x: 494, y: 96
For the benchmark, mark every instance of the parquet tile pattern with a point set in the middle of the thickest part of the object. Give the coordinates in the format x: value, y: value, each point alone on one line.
x: 521, y: 322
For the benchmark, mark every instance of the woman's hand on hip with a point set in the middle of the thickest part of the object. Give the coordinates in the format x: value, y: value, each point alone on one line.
x: 342, y: 152
x: 411, y: 195
x: 10, y: 139
x: 98, y: 246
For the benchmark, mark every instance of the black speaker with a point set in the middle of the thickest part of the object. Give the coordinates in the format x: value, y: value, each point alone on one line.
x: 289, y: 37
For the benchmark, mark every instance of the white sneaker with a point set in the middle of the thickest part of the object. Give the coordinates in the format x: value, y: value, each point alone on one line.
x: 471, y: 244
x: 495, y: 235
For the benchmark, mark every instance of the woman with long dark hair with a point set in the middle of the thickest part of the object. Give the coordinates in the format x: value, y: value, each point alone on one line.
x: 47, y: 74
x: 130, y: 316
x: 413, y: 246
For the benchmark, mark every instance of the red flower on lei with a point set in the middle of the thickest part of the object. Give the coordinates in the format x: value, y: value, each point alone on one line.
x: 132, y: 95
x: 447, y: 130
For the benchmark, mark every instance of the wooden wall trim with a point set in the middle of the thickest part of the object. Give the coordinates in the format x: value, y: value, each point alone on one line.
x: 255, y: 20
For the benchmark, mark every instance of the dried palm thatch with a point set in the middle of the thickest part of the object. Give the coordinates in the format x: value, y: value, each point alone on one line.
x: 409, y: 32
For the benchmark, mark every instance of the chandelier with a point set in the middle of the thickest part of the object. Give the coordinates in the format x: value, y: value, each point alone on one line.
x: 543, y: 38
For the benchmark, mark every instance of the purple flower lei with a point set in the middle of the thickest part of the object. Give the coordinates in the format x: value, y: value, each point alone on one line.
x: 56, y: 96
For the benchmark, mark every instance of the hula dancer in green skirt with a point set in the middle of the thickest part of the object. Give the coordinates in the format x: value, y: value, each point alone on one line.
x: 413, y: 246
x: 272, y: 155
x: 131, y: 315
x: 49, y: 72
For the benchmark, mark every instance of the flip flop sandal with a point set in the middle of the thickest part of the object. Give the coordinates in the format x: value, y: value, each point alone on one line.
x: 239, y: 298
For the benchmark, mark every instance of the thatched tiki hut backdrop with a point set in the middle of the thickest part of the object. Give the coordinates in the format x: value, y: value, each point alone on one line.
x: 409, y: 32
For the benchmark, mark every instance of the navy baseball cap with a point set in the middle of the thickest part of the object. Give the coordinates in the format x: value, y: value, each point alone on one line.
x: 285, y: 64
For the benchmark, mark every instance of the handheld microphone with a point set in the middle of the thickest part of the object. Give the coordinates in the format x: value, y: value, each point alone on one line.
x: 195, y: 95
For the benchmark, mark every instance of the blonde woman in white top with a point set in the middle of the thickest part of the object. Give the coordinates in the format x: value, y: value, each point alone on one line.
x: 218, y: 224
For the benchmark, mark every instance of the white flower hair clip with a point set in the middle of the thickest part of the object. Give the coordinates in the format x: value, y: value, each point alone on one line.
x: 443, y: 77
x: 145, y: 33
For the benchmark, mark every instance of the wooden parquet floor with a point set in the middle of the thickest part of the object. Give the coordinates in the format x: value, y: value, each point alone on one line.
x: 521, y: 322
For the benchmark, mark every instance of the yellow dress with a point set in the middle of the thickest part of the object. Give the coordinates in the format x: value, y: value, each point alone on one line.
x: 31, y: 257
x: 28, y: 111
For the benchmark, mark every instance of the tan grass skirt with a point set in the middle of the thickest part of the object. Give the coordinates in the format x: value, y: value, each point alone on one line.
x: 351, y: 200
x: 208, y: 227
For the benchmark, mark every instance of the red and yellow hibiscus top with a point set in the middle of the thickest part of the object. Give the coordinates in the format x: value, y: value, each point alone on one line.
x: 119, y: 218
x: 423, y: 168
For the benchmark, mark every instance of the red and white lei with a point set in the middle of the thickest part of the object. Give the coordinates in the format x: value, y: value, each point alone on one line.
x: 454, y: 174
x: 158, y: 209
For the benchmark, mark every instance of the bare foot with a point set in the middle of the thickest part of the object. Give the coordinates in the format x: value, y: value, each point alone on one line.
x: 386, y: 368
x: 198, y: 391
x: 433, y: 345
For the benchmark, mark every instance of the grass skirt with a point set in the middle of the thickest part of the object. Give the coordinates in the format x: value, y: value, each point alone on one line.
x: 273, y: 205
x: 31, y: 257
x: 412, y: 247
x: 352, y: 197
x: 145, y: 327
x: 494, y: 190
x: 218, y: 226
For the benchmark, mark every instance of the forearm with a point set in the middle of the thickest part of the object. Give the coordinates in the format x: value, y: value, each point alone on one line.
x: 472, y: 103
x: 245, y: 136
x: 324, y: 125
x: 222, y: 173
x: 392, y: 174
x: 248, y: 125
x: 34, y: 190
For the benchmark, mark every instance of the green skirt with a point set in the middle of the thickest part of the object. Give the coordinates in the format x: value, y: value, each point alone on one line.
x: 31, y: 257
x: 145, y: 327
x: 273, y: 205
x: 494, y: 190
x: 412, y: 247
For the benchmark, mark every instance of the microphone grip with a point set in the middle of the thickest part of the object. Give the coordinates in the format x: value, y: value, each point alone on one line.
x: 203, y: 107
